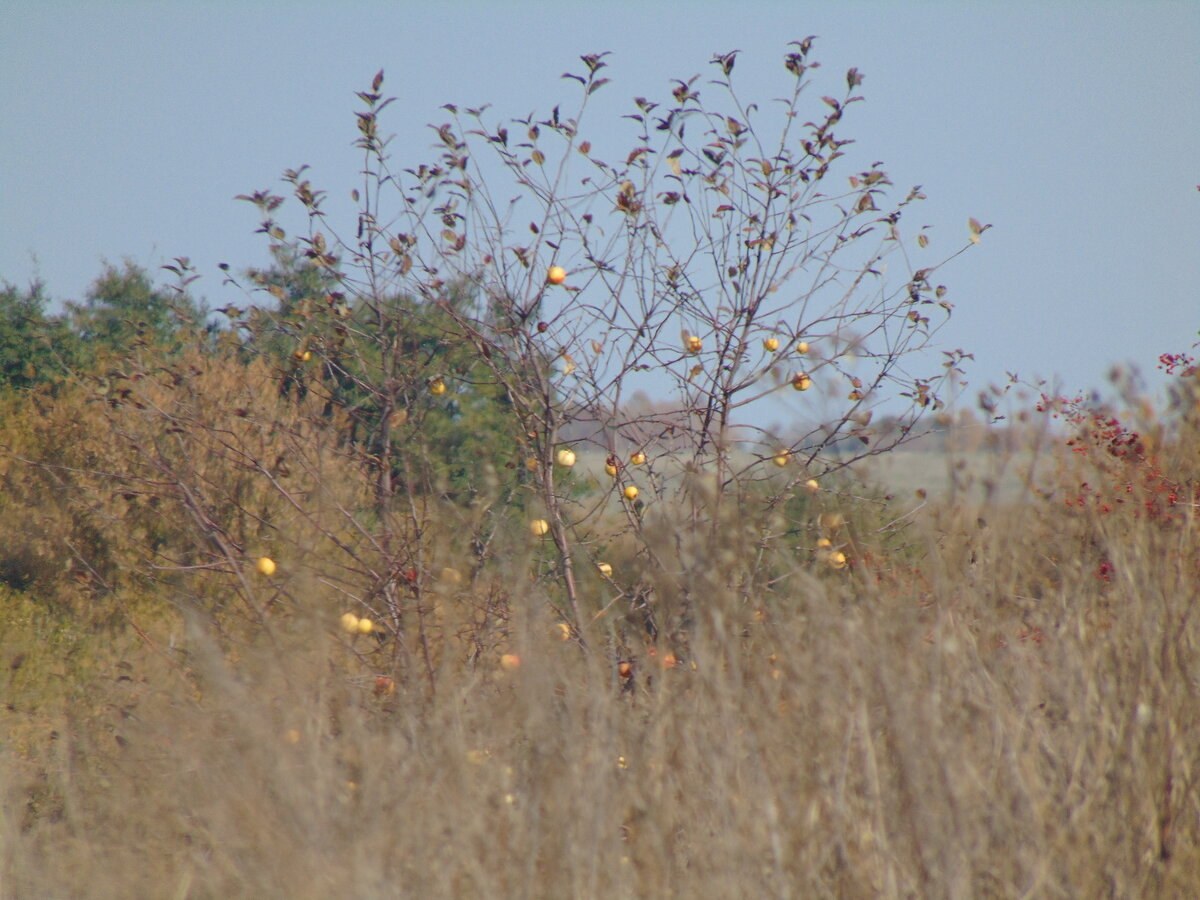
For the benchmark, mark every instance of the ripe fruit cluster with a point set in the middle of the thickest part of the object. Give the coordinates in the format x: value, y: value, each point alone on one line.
x: 352, y: 624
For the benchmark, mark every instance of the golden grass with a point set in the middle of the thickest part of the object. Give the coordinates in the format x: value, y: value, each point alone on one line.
x: 997, y: 723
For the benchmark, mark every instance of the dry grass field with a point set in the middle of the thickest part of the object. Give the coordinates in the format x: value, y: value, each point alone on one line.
x: 975, y: 713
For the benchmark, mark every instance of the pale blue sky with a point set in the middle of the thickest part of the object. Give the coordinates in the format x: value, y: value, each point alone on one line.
x: 126, y: 129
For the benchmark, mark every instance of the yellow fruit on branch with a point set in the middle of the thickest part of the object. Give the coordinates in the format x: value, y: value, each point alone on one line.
x: 782, y: 458
x: 631, y: 492
x: 801, y: 382
x: 771, y: 345
x: 556, y: 275
x: 802, y: 347
x: 638, y: 458
x: 604, y: 569
x: 837, y: 559
x: 539, y: 527
x: 365, y: 626
x: 265, y: 565
x: 693, y: 344
x: 831, y: 521
x: 565, y: 458
x: 350, y: 622
x: 813, y: 485
x: 611, y: 469
x: 437, y: 387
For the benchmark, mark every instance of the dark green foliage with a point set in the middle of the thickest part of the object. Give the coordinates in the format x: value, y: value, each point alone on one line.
x: 34, y: 348
x: 125, y: 311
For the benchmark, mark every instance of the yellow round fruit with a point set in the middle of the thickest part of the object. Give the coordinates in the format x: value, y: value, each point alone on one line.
x: 813, y: 485
x: 564, y: 631
x: 604, y: 569
x: 771, y: 345
x: 365, y: 626
x: 539, y: 527
x: 782, y: 458
x: 510, y: 662
x: 531, y: 464
x: 693, y: 344
x: 556, y: 275
x: 350, y: 622
x: 631, y: 492
x: 610, y: 469
x: 801, y: 382
x: 802, y: 347
x: 837, y: 559
x: 565, y: 458
x: 638, y: 458
x: 437, y: 387
x: 831, y: 520
x: 824, y: 543
x: 265, y: 565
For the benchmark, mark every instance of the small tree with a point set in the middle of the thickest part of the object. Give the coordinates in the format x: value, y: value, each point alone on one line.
x: 475, y: 346
x: 720, y: 257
